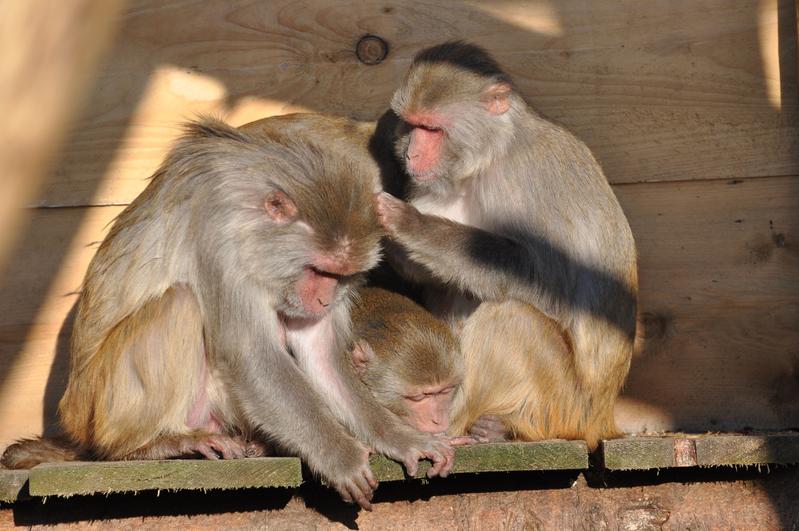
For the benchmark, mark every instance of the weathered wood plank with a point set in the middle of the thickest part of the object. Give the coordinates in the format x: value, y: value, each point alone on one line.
x: 762, y: 502
x: 662, y: 90
x: 747, y: 449
x: 498, y: 457
x: 719, y: 294
x: 50, y: 54
x: 67, y: 479
x: 12, y: 484
x: 638, y: 453
x: 642, y: 453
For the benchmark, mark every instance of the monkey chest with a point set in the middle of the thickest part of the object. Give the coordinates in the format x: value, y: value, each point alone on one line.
x: 456, y: 209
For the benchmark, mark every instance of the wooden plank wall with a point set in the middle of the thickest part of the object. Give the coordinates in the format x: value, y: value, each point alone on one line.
x: 690, y: 106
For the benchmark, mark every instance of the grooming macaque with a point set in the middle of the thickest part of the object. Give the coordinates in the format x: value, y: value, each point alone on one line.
x: 217, y: 309
x: 407, y: 358
x: 511, y: 211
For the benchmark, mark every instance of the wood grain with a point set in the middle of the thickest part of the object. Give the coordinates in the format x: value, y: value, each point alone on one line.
x: 13, y: 485
x: 643, y: 453
x: 50, y: 52
x: 68, y: 479
x: 719, y: 296
x: 662, y: 90
x: 497, y: 457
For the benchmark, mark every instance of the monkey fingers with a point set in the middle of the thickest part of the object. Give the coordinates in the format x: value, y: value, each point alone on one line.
x: 489, y: 428
x: 464, y: 440
x: 358, y: 489
x: 443, y: 458
x: 391, y: 212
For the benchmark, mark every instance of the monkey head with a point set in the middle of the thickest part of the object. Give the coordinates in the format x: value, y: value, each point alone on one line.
x: 411, y: 368
x: 302, y: 224
x: 453, y: 108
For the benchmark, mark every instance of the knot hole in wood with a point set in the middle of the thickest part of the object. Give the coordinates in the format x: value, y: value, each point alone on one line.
x: 371, y: 49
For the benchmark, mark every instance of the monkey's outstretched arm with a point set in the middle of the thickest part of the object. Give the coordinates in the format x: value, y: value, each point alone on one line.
x: 491, y: 266
x: 277, y: 399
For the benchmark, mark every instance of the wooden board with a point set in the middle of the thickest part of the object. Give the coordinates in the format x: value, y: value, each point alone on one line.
x: 642, y: 453
x: 37, y: 292
x: 499, y: 457
x: 68, y: 479
x: 719, y: 294
x: 50, y: 53
x: 661, y: 90
x: 12, y: 485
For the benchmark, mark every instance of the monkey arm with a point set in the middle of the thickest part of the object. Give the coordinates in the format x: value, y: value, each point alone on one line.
x: 277, y: 399
x: 489, y: 265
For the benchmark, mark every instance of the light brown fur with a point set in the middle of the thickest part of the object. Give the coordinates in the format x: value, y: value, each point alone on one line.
x: 511, y: 212
x: 402, y: 350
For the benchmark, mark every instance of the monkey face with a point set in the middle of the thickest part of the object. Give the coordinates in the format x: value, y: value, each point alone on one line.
x: 453, y: 117
x: 427, y: 409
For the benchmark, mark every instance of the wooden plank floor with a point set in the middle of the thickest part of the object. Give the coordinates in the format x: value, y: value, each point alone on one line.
x: 643, y: 453
x: 500, y: 457
x: 631, y: 453
x: 67, y: 479
x: 12, y: 484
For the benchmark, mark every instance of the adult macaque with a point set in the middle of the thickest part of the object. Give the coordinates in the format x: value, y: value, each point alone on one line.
x: 407, y: 358
x: 511, y: 211
x: 218, y: 307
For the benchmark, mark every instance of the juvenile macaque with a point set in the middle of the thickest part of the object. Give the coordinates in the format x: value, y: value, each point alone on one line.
x: 511, y: 211
x: 407, y: 358
x: 217, y: 309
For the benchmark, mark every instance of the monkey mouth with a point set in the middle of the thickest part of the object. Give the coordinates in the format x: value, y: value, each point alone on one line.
x: 424, y: 176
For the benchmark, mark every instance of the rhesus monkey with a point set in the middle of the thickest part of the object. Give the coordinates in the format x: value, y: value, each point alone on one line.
x: 407, y: 358
x: 509, y: 210
x: 218, y: 307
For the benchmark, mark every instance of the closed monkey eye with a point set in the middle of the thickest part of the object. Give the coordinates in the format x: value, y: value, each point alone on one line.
x: 416, y: 398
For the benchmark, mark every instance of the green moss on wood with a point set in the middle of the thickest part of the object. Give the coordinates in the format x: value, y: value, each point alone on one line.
x: 638, y: 453
x: 12, y: 484
x: 747, y: 449
x: 498, y: 457
x: 67, y: 479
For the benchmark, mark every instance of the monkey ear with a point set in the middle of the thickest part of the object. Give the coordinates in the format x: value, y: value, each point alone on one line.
x: 279, y: 207
x: 496, y: 98
x: 362, y: 355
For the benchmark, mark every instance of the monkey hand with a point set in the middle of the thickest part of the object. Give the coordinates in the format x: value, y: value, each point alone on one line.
x: 436, y: 448
x: 351, y: 477
x: 393, y: 213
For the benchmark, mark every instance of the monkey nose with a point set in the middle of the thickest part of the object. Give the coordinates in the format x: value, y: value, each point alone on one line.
x: 322, y: 303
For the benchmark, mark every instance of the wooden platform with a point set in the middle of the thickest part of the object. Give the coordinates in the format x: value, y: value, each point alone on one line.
x: 632, y: 453
x: 643, y: 453
x: 501, y: 457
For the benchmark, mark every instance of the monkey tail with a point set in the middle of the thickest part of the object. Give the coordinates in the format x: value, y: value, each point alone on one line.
x: 27, y: 453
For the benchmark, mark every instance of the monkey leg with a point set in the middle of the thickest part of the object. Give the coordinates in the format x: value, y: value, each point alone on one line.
x: 518, y: 374
x: 147, y: 390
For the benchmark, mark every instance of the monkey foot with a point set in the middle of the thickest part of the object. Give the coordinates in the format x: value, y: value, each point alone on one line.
x: 216, y: 446
x: 489, y: 428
